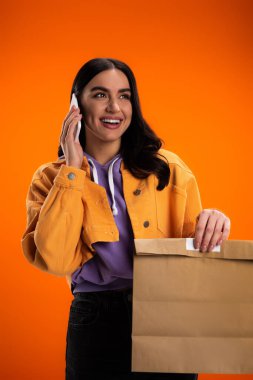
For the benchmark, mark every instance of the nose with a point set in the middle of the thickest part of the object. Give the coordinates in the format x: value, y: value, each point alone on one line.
x: 113, y: 106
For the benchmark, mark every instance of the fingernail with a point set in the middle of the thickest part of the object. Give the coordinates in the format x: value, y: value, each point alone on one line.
x: 203, y: 248
x: 211, y: 247
x: 197, y: 244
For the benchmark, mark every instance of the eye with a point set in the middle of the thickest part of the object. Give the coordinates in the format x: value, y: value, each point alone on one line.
x: 127, y: 96
x: 99, y: 93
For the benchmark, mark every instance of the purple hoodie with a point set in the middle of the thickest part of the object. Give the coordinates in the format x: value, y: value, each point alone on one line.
x: 112, y: 265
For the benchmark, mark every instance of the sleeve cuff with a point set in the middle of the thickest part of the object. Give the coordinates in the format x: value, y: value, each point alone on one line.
x: 71, y: 177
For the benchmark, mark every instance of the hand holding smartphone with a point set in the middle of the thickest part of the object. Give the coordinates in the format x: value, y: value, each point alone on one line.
x: 74, y: 102
x: 69, y: 139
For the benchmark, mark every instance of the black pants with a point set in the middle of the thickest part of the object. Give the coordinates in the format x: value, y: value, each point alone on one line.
x: 99, y: 339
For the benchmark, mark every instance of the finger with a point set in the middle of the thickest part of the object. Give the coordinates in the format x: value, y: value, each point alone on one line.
x: 72, y: 126
x: 216, y: 234
x: 67, y: 122
x: 68, y: 128
x: 209, y: 230
x: 71, y: 116
x: 73, y: 111
x: 200, y: 228
x: 225, y: 230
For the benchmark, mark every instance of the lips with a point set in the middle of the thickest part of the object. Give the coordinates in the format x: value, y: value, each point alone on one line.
x: 111, y: 126
x: 111, y: 117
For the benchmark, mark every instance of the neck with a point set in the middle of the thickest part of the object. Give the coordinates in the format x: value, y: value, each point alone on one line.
x: 103, y: 152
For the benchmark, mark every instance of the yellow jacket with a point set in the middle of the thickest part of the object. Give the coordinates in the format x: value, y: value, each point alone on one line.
x: 67, y: 212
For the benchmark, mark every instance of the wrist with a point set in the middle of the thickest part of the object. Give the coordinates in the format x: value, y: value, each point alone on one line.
x: 73, y: 165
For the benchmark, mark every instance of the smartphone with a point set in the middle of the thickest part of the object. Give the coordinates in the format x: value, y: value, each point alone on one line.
x: 74, y: 102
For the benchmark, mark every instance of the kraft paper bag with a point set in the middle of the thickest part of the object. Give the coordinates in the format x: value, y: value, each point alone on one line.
x: 192, y: 311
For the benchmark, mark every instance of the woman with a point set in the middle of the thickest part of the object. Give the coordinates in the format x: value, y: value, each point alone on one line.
x: 84, y: 210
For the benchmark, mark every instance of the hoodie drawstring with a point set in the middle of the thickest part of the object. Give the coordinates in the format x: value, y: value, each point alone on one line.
x: 110, y: 180
x: 94, y: 171
x: 111, y: 185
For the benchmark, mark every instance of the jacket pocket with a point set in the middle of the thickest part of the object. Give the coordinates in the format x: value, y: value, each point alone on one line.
x: 170, y: 209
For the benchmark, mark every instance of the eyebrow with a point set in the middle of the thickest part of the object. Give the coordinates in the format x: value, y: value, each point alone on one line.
x: 107, y: 90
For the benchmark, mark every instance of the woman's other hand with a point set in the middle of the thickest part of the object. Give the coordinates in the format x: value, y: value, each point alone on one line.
x: 72, y: 149
x: 212, y: 228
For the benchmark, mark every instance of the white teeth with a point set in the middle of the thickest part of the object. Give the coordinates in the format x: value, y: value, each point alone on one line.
x: 111, y: 121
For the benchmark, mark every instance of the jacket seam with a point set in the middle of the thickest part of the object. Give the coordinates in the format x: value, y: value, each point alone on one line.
x: 188, y: 170
x: 59, y: 184
x: 181, y: 167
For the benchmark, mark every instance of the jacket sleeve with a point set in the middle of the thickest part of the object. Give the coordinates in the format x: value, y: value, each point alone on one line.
x: 193, y: 207
x: 51, y: 241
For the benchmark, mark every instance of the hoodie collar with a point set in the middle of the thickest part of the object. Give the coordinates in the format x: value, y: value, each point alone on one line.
x: 106, y: 165
x: 109, y: 166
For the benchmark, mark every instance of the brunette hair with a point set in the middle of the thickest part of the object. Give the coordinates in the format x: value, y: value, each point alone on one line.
x: 139, y: 143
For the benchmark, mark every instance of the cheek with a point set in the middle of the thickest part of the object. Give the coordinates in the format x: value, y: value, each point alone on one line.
x: 90, y: 114
x: 128, y: 110
x: 89, y: 110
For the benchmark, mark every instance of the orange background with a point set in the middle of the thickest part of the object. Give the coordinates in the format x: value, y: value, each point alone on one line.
x: 193, y: 65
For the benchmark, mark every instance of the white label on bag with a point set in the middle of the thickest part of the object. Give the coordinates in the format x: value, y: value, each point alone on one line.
x: 190, y: 246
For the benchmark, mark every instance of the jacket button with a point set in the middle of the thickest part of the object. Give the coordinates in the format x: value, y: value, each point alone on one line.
x: 71, y: 175
x: 137, y: 192
x: 146, y: 223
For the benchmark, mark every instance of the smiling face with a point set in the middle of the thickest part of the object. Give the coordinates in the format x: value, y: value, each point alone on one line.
x: 106, y: 96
